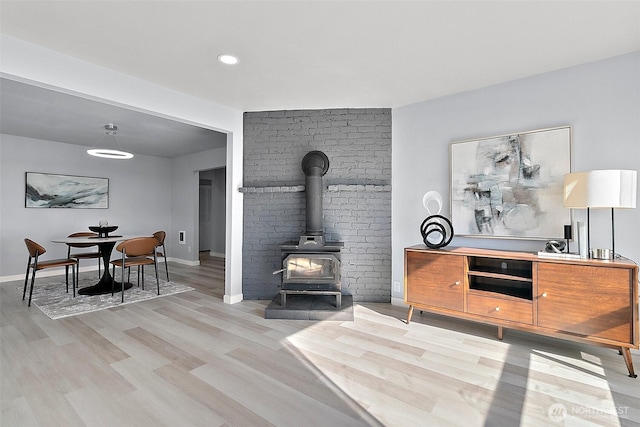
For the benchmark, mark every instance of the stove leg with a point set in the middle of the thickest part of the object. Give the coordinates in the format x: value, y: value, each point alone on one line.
x: 338, y: 300
x: 283, y: 299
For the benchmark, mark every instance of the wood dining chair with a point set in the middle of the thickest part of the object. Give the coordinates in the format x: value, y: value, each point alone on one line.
x: 160, y: 253
x: 36, y: 264
x: 84, y: 254
x: 136, y: 252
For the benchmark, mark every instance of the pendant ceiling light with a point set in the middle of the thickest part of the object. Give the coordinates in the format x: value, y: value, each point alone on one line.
x: 108, y: 153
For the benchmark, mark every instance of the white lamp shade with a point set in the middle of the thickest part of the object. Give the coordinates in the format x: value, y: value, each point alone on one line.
x: 601, y: 189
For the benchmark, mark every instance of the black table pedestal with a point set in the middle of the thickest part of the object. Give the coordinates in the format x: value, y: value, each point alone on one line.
x: 106, y: 281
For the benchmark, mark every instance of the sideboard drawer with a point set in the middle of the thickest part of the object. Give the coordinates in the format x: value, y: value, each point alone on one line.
x: 499, y: 308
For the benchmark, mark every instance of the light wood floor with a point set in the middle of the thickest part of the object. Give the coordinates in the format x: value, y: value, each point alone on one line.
x: 190, y: 360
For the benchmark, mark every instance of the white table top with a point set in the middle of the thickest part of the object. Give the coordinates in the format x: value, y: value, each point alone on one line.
x: 96, y: 240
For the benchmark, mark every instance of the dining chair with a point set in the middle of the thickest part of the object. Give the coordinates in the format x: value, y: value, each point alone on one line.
x: 160, y: 236
x: 35, y: 264
x: 84, y: 255
x: 136, y: 252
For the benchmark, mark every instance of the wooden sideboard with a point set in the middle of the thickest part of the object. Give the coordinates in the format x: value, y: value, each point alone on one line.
x: 592, y: 301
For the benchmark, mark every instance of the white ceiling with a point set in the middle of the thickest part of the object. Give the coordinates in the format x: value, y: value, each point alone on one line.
x: 328, y: 54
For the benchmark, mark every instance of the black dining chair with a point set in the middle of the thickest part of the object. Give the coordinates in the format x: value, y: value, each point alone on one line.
x: 35, y: 264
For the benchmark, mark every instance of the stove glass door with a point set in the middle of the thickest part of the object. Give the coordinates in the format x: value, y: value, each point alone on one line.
x: 311, y: 268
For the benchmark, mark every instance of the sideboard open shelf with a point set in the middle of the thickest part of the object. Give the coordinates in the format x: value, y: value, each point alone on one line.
x: 501, y: 275
x: 592, y: 301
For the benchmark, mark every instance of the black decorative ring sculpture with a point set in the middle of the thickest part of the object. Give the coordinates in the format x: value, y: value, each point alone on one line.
x: 435, y: 224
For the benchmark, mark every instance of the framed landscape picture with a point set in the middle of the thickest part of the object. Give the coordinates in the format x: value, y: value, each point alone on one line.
x: 45, y: 190
x: 511, y: 185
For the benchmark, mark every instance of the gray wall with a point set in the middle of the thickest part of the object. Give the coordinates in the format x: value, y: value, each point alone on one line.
x: 141, y: 198
x: 357, y: 198
x: 600, y: 100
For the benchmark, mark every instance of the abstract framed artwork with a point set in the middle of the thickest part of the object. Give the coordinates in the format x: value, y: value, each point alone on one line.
x: 45, y: 190
x: 511, y: 186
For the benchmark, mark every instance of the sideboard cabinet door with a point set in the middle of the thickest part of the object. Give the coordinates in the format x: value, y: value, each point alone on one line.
x: 435, y: 280
x: 586, y: 300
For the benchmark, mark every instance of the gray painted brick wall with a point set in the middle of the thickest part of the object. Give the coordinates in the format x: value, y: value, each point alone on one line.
x: 357, y: 195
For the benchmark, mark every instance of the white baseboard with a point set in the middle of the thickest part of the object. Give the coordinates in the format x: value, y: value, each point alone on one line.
x: 182, y: 261
x: 233, y: 299
x: 398, y: 301
x: 43, y: 273
x: 216, y: 254
x: 60, y: 271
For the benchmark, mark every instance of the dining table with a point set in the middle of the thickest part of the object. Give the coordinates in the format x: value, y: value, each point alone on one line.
x: 106, y: 244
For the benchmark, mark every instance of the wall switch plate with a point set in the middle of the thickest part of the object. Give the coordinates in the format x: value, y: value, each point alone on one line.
x: 396, y: 286
x: 182, y: 237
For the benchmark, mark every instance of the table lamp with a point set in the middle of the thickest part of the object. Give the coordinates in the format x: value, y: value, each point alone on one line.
x: 601, y: 189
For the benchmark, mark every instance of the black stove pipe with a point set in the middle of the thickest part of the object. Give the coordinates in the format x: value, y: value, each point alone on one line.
x: 314, y: 165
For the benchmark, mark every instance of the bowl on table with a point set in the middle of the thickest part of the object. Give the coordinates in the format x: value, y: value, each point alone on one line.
x: 103, y: 231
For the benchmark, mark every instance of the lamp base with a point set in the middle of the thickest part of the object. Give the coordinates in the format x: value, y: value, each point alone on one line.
x: 601, y: 253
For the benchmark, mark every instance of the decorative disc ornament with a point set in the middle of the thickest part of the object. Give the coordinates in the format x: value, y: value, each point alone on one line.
x: 436, y: 230
x: 429, y: 199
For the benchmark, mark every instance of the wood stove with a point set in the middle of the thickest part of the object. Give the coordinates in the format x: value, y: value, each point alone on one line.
x: 312, y: 265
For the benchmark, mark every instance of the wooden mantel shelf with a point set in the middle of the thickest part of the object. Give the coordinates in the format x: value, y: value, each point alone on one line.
x: 331, y: 187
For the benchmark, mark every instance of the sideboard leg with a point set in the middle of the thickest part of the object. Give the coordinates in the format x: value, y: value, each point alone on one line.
x: 500, y: 332
x: 626, y: 353
x: 409, y: 314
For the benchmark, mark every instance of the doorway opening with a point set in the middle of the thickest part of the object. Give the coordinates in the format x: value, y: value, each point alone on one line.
x: 212, y: 212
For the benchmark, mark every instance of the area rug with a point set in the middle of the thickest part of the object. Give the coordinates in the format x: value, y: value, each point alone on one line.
x: 53, y: 300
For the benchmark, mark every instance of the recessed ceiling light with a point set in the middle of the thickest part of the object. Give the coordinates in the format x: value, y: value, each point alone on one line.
x: 227, y: 59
